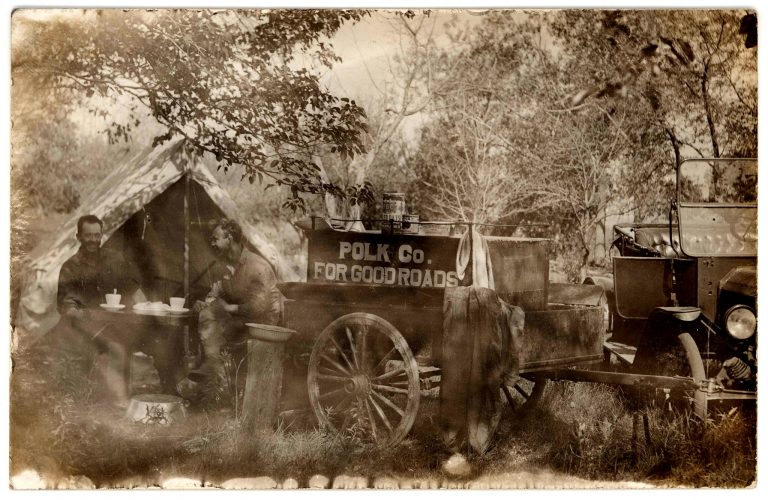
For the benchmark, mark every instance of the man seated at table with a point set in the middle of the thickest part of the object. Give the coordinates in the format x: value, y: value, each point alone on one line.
x: 247, y: 293
x: 84, y: 281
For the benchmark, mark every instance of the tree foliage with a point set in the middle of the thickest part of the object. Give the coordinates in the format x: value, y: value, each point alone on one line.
x: 479, y: 157
x: 238, y: 83
x: 692, y: 68
x: 395, y: 97
x: 688, y: 75
x: 573, y: 117
x: 564, y: 117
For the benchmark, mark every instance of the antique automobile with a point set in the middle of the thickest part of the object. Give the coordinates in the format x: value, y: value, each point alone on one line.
x: 683, y: 297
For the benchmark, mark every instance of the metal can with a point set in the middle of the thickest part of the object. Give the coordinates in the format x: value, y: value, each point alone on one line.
x: 410, y: 224
x: 394, y: 204
x: 393, y: 222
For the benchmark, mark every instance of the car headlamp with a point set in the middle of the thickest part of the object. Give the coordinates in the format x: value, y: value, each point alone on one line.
x: 740, y: 322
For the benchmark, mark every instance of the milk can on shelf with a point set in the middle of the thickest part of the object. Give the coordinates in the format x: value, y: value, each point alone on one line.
x: 395, y: 216
x: 394, y: 204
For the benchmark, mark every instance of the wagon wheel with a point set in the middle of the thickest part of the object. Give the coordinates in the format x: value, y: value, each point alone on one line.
x: 521, y: 397
x: 363, y: 379
x: 682, y: 358
x: 524, y: 394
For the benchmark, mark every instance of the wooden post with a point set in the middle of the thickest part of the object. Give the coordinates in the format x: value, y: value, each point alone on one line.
x: 471, y: 264
x: 186, y: 233
x: 187, y: 360
x: 264, y: 383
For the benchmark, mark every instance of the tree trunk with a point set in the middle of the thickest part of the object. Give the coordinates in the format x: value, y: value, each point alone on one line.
x: 584, y: 264
x: 587, y: 235
x: 331, y: 206
x: 675, y: 145
x: 361, y: 164
x: 708, y: 111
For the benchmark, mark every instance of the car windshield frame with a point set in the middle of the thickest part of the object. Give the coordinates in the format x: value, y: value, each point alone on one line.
x: 716, y: 229
x: 692, y: 203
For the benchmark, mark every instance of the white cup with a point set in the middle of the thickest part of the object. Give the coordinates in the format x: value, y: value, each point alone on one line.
x: 177, y: 303
x: 113, y: 299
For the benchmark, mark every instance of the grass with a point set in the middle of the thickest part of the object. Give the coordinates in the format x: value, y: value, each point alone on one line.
x: 585, y: 430
x: 61, y: 426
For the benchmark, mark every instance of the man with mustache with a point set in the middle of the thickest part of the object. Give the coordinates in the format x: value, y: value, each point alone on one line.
x: 84, y: 280
x: 91, y: 273
x: 247, y: 293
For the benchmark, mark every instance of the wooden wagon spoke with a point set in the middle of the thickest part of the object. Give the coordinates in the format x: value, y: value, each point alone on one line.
x: 362, y: 335
x: 336, y: 365
x: 396, y: 371
x: 522, y: 392
x: 387, y: 388
x: 352, y: 347
x: 529, y: 391
x: 370, y: 418
x: 334, y: 378
x: 380, y: 412
x: 341, y: 351
x: 335, y: 410
x: 347, y: 416
x: 508, y: 395
x: 326, y: 370
x: 389, y: 403
x: 344, y: 403
x: 399, y: 383
x: 332, y: 393
x: 384, y: 360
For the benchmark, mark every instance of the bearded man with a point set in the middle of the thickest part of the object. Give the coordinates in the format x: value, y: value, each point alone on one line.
x: 84, y: 280
x: 247, y: 293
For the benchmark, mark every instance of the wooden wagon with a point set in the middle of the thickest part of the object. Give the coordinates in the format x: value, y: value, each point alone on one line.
x: 371, y: 315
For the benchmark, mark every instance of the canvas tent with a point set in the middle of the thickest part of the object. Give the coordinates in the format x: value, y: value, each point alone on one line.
x: 157, y: 208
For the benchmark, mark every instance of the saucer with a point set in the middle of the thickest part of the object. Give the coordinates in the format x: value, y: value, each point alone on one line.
x: 113, y: 308
x: 151, y: 307
x: 178, y: 311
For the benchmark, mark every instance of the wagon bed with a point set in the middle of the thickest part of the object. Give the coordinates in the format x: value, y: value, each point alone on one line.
x: 559, y: 336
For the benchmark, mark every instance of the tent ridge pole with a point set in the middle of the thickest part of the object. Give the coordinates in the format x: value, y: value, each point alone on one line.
x: 187, y: 298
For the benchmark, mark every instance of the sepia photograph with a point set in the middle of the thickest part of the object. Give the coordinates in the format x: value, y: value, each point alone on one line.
x: 381, y: 249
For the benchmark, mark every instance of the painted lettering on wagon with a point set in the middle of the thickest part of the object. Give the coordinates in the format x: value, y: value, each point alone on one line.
x: 360, y: 261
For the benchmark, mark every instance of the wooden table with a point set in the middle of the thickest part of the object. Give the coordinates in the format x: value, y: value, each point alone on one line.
x: 147, y: 318
x: 169, y: 332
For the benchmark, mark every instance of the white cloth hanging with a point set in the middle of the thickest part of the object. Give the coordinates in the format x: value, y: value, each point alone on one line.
x: 482, y: 268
